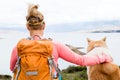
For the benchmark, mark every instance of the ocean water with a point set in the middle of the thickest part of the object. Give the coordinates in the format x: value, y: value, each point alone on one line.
x: 79, y: 40
x: 9, y: 38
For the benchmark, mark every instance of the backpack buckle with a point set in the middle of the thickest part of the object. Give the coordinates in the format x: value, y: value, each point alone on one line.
x: 34, y: 73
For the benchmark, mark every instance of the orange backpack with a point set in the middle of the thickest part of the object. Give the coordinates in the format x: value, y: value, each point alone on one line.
x: 34, y: 60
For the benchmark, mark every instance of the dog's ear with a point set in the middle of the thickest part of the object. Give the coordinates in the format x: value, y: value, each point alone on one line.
x: 89, y: 40
x: 104, y: 39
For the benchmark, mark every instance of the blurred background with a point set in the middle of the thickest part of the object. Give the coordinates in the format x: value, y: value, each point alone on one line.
x: 67, y: 21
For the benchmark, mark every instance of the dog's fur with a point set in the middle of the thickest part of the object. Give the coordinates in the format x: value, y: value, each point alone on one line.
x: 103, y: 71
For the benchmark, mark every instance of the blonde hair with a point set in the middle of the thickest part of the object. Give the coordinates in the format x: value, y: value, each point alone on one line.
x: 35, y: 19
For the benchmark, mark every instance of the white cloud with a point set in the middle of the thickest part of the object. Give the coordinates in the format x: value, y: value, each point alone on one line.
x: 59, y: 11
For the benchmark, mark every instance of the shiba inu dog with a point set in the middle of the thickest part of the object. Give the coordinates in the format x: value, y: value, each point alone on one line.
x: 103, y: 71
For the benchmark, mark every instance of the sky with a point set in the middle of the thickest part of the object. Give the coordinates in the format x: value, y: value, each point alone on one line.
x: 60, y: 11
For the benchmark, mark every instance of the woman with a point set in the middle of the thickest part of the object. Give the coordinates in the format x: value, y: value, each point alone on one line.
x: 36, y: 25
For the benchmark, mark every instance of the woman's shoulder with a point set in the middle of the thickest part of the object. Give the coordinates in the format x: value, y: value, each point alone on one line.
x: 57, y: 43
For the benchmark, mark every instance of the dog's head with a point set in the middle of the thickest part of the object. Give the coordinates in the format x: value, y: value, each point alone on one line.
x: 98, y: 43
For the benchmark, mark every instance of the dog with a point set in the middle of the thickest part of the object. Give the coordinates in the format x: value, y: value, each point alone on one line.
x: 103, y: 71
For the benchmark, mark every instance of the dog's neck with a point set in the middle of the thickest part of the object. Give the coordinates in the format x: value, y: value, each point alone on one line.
x: 98, y: 50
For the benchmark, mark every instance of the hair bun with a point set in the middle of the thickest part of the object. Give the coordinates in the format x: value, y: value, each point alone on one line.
x: 32, y: 11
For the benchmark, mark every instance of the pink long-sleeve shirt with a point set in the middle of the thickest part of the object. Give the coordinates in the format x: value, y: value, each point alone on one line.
x: 62, y: 51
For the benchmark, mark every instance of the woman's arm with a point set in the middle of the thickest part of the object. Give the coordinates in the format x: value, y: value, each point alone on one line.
x: 82, y: 60
x: 13, y: 59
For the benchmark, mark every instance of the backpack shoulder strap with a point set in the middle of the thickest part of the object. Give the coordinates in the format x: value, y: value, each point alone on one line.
x: 52, y: 63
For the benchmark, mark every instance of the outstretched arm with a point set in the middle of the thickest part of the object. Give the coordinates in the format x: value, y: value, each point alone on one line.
x: 82, y: 60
